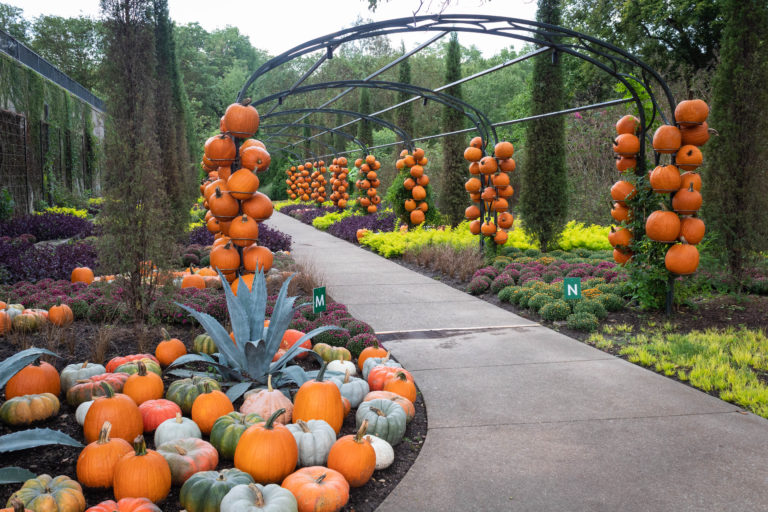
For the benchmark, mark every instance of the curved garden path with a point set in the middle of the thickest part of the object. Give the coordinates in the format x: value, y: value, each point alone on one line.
x: 524, y: 418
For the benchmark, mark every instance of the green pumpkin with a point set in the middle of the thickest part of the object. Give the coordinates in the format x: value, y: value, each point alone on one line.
x: 314, y: 439
x: 43, y: 492
x: 227, y: 430
x: 133, y: 367
x: 23, y: 410
x: 183, y: 392
x: 259, y: 498
x: 329, y: 353
x: 352, y: 388
x: 79, y: 371
x: 203, y: 491
x: 204, y: 344
x: 386, y: 419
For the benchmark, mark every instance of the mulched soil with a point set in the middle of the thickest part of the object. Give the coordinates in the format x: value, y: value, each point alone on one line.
x: 61, y: 460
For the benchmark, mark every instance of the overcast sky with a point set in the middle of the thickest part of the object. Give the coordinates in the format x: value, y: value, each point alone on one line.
x: 279, y: 25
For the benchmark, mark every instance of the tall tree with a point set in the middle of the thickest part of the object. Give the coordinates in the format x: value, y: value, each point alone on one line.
x: 12, y: 20
x: 177, y: 174
x: 543, y: 198
x: 365, y: 128
x: 134, y: 234
x: 453, y: 197
x: 404, y: 115
x: 736, y: 195
x: 307, y: 132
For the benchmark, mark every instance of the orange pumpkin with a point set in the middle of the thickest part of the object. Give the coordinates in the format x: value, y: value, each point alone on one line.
x: 210, y: 406
x: 665, y: 178
x: 82, y: 275
x: 61, y: 315
x: 142, y: 474
x: 319, y: 399
x: 126, y: 505
x: 318, y: 489
x: 667, y: 139
x: 621, y: 236
x: 626, y: 144
x: 379, y: 375
x: 170, y: 349
x: 689, y: 157
x: 354, y: 457
x: 194, y: 280
x: 690, y: 178
x: 256, y: 258
x: 690, y: 112
x: 373, y: 351
x: 143, y: 386
x: 267, y: 451
x: 662, y: 226
x: 687, y: 200
x: 692, y: 230
x: 241, y: 119
x: 119, y: 409
x: 96, y: 463
x: 503, y: 150
x: 401, y: 382
x: 622, y: 191
x: 682, y: 259
x: 621, y: 257
x: 33, y: 380
x: 627, y: 124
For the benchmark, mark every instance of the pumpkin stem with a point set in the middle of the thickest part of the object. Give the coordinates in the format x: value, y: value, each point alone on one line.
x: 18, y: 505
x: 259, y: 498
x: 181, y: 451
x: 246, y: 102
x: 303, y: 426
x: 269, y: 383
x: 346, y: 375
x: 85, y: 365
x: 245, y: 217
x: 401, y: 376
x: 218, y: 192
x: 106, y: 428
x: 179, y: 419
x: 270, y: 422
x: 108, y: 391
x: 320, y: 479
x: 164, y: 333
x: 361, y: 432
x: 142, y: 369
x: 321, y: 373
x: 377, y: 411
x: 140, y: 446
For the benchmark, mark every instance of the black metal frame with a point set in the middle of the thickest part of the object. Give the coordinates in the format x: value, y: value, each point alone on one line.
x: 347, y: 136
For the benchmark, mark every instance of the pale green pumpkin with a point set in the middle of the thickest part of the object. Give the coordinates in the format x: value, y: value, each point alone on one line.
x: 386, y: 419
x: 259, y: 498
x: 314, y: 439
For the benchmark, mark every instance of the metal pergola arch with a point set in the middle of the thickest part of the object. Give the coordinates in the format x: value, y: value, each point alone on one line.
x: 314, y: 155
x: 584, y: 47
x: 476, y: 116
x: 347, y: 136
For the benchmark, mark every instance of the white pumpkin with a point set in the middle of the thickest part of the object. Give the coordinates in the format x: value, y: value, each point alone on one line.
x: 81, y: 411
x: 341, y: 366
x: 176, y: 428
x: 314, y: 439
x: 259, y: 498
x: 385, y: 454
x: 79, y: 371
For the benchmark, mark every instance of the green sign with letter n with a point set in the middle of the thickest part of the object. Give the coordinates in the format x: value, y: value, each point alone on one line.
x: 572, y: 288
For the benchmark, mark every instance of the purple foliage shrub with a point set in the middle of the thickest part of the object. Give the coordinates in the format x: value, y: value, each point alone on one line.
x: 346, y: 228
x: 23, y: 261
x: 273, y: 239
x: 47, y: 226
x: 360, y: 342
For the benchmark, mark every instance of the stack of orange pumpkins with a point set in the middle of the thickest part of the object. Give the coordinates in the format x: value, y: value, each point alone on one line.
x: 416, y: 184
x: 489, y: 187
x: 290, y: 181
x: 367, y: 183
x: 626, y: 146
x: 339, y: 184
x: 235, y: 206
x: 319, y: 182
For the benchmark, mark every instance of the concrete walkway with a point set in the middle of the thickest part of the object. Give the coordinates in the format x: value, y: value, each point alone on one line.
x: 522, y: 418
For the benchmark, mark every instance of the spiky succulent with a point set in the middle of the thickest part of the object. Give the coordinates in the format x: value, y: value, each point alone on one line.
x: 248, y: 360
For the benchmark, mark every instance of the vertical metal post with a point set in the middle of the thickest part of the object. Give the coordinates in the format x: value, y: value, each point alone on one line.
x: 670, y: 294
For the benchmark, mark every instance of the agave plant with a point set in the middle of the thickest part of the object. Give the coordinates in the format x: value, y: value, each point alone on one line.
x: 247, y: 361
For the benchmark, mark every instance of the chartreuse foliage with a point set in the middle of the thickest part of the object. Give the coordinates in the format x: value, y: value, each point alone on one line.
x: 728, y: 362
x: 248, y: 359
x: 325, y: 221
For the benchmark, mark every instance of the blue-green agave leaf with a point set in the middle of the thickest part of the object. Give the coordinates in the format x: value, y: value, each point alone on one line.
x: 11, y: 366
x: 282, y: 314
x: 15, y: 475
x: 258, y: 358
x: 230, y: 354
x: 33, y: 438
x: 258, y: 306
x: 292, y: 374
x: 294, y: 350
x: 238, y: 389
x: 238, y: 317
x: 223, y: 369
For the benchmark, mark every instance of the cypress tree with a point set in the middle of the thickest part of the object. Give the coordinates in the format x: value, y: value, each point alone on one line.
x: 735, y: 190
x: 453, y: 197
x: 177, y: 174
x: 133, y: 223
x: 307, y: 132
x: 365, y: 128
x: 339, y: 142
x: 404, y: 116
x: 543, y: 196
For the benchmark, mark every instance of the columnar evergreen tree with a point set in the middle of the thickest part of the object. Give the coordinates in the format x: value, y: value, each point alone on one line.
x: 135, y: 235
x: 339, y: 142
x: 453, y: 197
x: 307, y: 132
x: 176, y: 172
x: 544, y: 194
x: 404, y: 115
x: 365, y: 128
x: 735, y: 191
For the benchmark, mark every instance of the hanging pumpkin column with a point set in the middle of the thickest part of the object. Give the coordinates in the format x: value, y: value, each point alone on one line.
x: 318, y: 183
x: 339, y: 183
x: 417, y: 205
x: 490, y: 188
x: 291, y: 182
x: 368, y: 182
x: 626, y: 146
x: 236, y: 207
